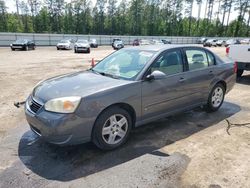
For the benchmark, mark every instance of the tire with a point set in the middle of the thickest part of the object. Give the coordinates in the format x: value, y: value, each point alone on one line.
x: 239, y: 73
x: 111, y: 139
x: 26, y: 48
x: 88, y: 51
x: 75, y: 51
x: 57, y: 48
x: 13, y: 49
x: 215, y: 98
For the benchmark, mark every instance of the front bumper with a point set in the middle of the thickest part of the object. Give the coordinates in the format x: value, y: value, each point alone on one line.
x: 18, y: 47
x: 82, y: 49
x: 63, y: 47
x: 58, y: 128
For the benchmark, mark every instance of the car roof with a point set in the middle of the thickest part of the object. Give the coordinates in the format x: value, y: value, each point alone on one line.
x: 161, y: 47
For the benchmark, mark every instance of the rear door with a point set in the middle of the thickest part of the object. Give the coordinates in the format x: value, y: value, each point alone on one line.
x: 200, y: 74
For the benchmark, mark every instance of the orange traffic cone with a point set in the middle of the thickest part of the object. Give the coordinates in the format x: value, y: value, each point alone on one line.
x: 92, y: 62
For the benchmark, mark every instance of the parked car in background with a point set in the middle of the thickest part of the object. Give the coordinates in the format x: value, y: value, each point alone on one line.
x: 118, y: 44
x: 156, y: 42
x: 245, y: 41
x: 232, y: 41
x: 82, y: 46
x: 136, y: 42
x: 116, y: 39
x: 144, y: 42
x: 166, y: 41
x: 210, y: 43
x: 221, y: 43
x: 93, y: 43
x: 240, y: 54
x: 129, y: 88
x: 23, y: 44
x: 201, y: 40
x: 64, y: 44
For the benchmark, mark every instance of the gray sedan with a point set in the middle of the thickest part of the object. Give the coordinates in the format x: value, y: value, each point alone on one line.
x: 129, y: 88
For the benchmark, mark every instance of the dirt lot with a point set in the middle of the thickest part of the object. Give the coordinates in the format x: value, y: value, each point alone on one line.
x: 192, y: 149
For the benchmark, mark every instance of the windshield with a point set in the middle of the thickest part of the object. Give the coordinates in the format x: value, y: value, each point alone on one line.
x: 64, y: 41
x: 21, y: 41
x: 82, y: 41
x: 124, y: 64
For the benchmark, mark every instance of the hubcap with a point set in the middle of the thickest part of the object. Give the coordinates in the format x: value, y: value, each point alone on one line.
x: 115, y: 129
x: 217, y: 97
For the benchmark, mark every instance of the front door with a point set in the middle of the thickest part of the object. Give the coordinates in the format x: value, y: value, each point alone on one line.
x: 166, y: 94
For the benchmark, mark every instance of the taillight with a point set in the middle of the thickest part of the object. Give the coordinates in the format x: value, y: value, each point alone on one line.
x: 235, y: 67
x: 227, y: 50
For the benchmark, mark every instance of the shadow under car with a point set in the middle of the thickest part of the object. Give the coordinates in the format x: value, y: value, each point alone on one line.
x: 72, y: 162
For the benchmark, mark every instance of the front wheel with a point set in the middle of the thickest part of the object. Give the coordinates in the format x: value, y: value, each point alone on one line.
x: 216, y: 98
x: 112, y: 128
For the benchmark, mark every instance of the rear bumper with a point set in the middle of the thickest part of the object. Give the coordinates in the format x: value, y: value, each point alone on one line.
x: 243, y: 66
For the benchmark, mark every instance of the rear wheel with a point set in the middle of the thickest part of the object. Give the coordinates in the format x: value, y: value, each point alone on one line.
x: 112, y: 128
x: 239, y: 73
x: 216, y: 98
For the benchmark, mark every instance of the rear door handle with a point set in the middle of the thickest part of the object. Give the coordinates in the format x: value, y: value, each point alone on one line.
x: 211, y: 72
x: 182, y: 79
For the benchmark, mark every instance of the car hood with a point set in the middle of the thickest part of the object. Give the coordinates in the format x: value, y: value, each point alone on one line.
x: 76, y: 84
x: 62, y: 44
x: 82, y: 45
x: 18, y: 43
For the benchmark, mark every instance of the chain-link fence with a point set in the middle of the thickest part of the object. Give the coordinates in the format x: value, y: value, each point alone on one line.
x: 52, y: 39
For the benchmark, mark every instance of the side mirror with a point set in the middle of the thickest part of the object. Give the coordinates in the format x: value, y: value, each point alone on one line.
x: 156, y: 75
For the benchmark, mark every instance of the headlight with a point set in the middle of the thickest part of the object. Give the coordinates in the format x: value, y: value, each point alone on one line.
x: 63, y: 105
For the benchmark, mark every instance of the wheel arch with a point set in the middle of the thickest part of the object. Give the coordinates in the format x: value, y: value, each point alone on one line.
x: 222, y: 82
x: 122, y: 105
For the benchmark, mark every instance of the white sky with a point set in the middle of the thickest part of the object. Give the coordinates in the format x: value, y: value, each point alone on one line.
x: 12, y: 8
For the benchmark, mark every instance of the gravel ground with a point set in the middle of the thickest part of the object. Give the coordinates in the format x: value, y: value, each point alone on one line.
x: 192, y: 149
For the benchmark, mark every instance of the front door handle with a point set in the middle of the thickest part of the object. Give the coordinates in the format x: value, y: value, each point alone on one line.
x: 182, y: 79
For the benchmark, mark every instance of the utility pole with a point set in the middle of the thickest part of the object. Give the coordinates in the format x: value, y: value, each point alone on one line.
x: 17, y: 7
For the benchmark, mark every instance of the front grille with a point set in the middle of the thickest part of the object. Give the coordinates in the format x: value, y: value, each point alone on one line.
x: 34, y: 106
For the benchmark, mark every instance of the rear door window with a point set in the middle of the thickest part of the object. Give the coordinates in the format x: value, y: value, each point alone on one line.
x: 196, y: 58
x: 211, y: 59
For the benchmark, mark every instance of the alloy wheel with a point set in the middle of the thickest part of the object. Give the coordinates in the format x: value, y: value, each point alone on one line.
x: 115, y: 129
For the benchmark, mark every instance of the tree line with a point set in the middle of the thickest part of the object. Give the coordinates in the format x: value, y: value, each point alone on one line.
x: 129, y: 17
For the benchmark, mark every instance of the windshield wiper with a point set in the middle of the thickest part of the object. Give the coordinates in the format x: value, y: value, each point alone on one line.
x: 104, y: 74
x: 109, y: 75
x: 91, y: 69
